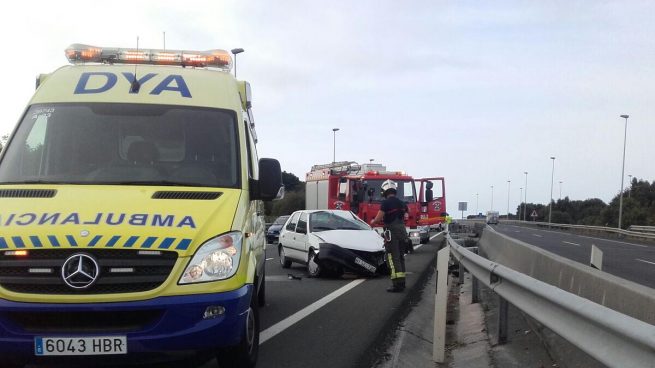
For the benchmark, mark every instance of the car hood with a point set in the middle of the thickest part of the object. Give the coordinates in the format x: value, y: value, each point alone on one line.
x: 274, y: 228
x: 363, y: 240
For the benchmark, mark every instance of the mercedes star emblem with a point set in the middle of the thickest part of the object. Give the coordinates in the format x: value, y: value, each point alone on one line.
x: 80, y: 271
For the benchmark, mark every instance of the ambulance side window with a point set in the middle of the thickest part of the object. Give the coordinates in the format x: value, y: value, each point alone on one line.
x: 253, y: 164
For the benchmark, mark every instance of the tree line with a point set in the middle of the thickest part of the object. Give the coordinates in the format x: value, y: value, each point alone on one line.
x: 638, y: 208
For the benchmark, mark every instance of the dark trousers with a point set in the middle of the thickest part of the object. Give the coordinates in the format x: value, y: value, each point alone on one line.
x: 395, y: 253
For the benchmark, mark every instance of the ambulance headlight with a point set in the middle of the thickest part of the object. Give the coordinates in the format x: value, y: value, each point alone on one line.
x: 217, y: 259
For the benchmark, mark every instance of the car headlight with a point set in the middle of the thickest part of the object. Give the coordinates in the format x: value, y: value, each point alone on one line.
x: 217, y: 259
x: 413, y: 234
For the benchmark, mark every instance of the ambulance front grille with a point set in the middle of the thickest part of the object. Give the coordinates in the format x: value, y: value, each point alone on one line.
x: 121, y: 271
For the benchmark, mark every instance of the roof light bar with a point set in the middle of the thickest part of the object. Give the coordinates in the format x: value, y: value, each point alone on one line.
x: 79, y: 53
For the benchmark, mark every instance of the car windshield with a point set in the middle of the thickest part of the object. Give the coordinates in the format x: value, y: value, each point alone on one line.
x: 280, y: 220
x: 335, y: 220
x: 100, y: 143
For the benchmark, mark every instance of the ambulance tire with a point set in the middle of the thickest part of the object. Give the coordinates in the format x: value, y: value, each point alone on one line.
x: 244, y: 354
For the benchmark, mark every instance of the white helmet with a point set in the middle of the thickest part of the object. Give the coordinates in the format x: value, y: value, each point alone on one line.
x: 388, y: 187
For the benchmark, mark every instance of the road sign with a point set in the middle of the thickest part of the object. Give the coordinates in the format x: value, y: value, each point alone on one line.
x: 534, y: 214
x: 462, y: 206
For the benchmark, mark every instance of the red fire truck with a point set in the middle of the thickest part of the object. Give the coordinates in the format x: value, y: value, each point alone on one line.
x: 349, y: 186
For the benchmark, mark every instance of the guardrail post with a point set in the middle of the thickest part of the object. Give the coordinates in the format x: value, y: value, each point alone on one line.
x: 475, y: 290
x: 503, y: 306
x: 461, y: 273
x: 440, y: 306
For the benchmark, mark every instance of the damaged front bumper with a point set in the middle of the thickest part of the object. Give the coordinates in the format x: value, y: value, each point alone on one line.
x: 362, y: 262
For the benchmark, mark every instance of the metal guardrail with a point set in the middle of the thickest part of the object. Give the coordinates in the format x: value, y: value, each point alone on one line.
x: 610, y: 337
x: 642, y: 229
x: 609, y: 230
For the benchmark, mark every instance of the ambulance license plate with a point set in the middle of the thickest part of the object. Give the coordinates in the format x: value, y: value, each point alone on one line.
x: 96, y: 345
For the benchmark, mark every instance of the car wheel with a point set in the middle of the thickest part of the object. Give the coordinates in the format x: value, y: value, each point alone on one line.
x: 313, y: 268
x: 286, y: 263
x: 244, y: 355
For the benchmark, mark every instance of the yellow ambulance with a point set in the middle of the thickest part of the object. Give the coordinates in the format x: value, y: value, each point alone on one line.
x: 131, y: 213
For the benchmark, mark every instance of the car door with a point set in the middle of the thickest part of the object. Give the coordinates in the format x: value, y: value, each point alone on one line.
x: 288, y: 236
x: 301, y: 237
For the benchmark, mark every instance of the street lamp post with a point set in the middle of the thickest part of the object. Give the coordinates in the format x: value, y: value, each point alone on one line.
x: 476, y: 203
x: 550, y: 205
x: 520, y: 207
x: 334, y: 145
x: 625, y: 135
x: 630, y: 181
x: 492, y: 198
x: 235, y: 52
x: 508, y: 186
x: 560, y: 190
x: 525, y: 202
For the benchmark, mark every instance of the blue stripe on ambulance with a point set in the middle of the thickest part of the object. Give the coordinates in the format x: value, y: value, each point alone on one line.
x: 149, y: 242
x: 18, y: 241
x: 3, y: 243
x: 95, y: 240
x: 36, y: 242
x: 53, y: 240
x: 130, y: 241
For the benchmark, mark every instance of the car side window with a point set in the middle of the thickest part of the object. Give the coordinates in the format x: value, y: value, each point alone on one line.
x: 302, y: 224
x: 291, y: 226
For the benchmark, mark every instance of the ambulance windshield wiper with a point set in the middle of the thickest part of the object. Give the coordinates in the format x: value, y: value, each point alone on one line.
x: 159, y: 182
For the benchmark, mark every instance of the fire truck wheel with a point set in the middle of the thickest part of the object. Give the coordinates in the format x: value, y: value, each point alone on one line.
x: 283, y: 259
x: 313, y: 268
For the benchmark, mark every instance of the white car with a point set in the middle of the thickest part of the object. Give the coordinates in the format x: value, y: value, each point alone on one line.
x: 330, y: 242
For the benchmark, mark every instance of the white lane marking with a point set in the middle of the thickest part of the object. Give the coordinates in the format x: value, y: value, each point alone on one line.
x: 279, y: 327
x: 538, y: 236
x: 435, y: 235
x: 614, y: 241
x: 645, y: 261
x: 517, y: 231
x: 565, y: 242
x: 268, y: 259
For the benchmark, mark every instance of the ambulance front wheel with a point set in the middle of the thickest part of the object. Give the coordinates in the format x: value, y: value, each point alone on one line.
x: 244, y: 355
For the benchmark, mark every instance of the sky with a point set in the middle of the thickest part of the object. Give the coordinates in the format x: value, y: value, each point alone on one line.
x: 478, y: 92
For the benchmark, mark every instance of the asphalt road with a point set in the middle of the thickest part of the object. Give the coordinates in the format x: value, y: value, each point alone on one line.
x: 630, y: 260
x: 328, y: 323
x: 345, y: 323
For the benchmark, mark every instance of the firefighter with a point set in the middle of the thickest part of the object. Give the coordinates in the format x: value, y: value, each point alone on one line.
x: 392, y: 213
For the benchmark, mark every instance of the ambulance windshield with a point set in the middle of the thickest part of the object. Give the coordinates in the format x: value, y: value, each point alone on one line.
x: 98, y: 143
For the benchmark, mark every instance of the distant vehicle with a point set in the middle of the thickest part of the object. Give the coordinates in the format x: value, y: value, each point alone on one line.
x: 273, y: 232
x: 330, y: 242
x: 492, y: 217
x: 420, y: 235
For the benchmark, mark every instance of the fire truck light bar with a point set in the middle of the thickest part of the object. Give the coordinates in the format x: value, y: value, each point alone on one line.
x: 78, y: 53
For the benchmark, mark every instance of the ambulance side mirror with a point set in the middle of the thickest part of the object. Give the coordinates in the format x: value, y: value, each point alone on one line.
x: 269, y: 186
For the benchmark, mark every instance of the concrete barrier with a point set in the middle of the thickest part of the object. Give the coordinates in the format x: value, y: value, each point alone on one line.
x: 613, y: 292
x: 600, y: 231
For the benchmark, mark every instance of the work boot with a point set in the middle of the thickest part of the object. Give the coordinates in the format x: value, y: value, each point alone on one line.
x: 395, y: 289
